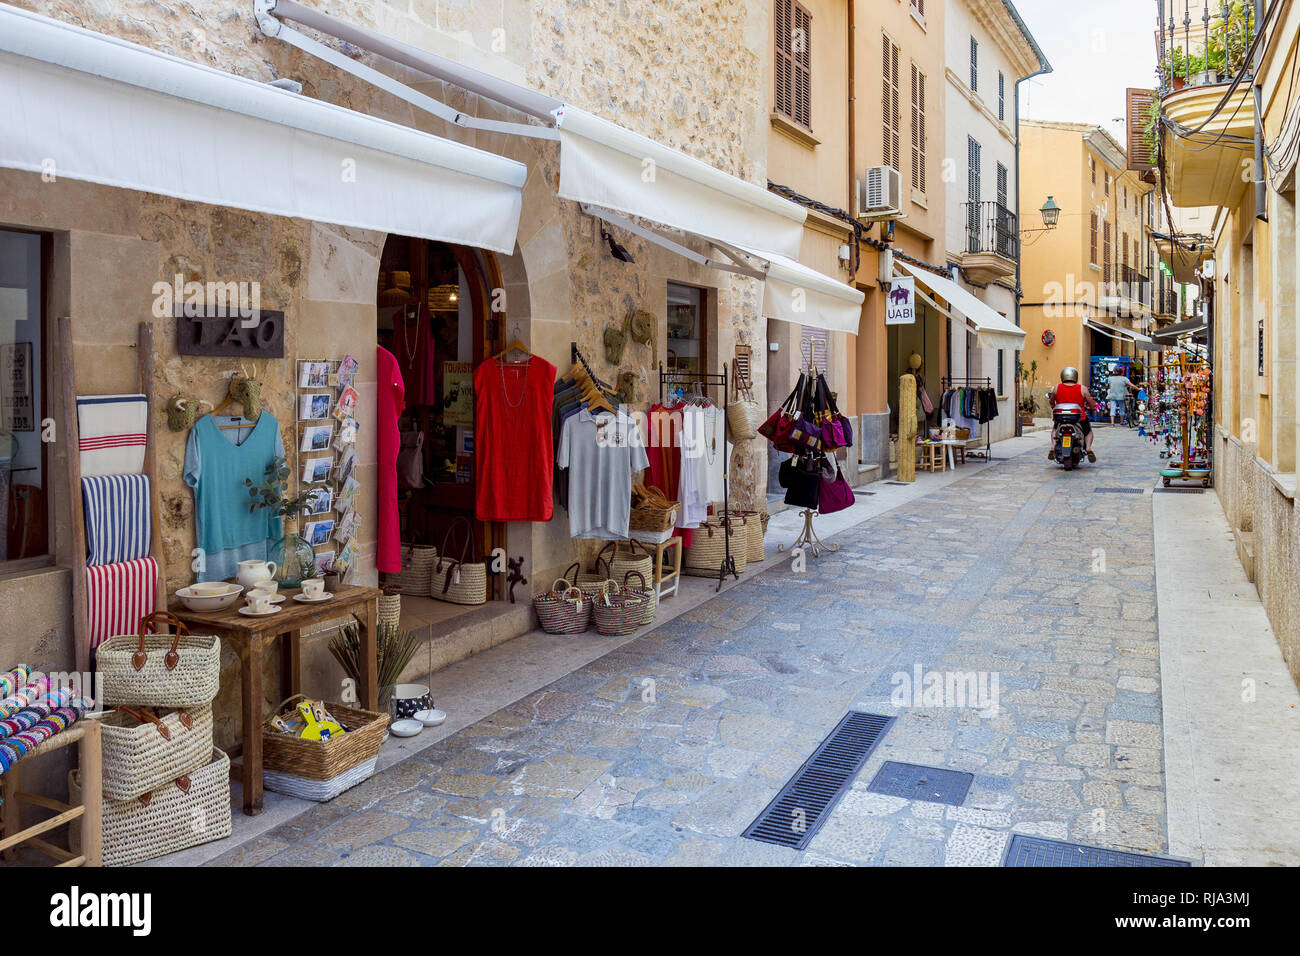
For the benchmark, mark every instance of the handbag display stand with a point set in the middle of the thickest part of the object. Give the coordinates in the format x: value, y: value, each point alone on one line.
x: 705, y: 381
x: 808, y: 540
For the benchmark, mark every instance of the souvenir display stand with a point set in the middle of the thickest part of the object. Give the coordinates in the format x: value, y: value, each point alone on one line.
x: 1099, y: 382
x: 808, y: 540
x: 1178, y: 411
x: 704, y: 381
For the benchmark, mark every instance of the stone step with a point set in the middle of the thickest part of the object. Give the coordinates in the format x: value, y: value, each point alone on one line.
x: 448, y: 634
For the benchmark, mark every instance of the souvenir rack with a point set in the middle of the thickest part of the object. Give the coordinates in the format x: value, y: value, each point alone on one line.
x: 949, y: 381
x: 703, y: 381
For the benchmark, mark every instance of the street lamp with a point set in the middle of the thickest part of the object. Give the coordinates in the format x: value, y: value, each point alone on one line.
x: 1051, y: 213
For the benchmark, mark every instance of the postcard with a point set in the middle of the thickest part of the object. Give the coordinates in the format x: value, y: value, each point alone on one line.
x: 318, y: 469
x: 314, y: 406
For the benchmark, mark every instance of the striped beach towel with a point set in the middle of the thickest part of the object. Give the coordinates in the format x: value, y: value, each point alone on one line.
x: 24, y: 696
x: 117, y: 517
x: 119, y: 595
x: 112, y: 433
x: 13, y: 749
x: 38, y: 710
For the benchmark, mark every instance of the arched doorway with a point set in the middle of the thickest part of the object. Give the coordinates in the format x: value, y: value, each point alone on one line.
x: 434, y: 312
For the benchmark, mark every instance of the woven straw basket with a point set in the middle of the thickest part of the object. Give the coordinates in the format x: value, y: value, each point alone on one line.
x: 564, y: 609
x: 459, y: 581
x: 645, y: 588
x: 322, y: 760
x: 160, y: 670
x: 708, y: 548
x: 629, y: 558
x: 619, y: 611
x: 390, y: 610
x: 754, y: 528
x: 183, y: 813
x: 417, y: 570
x: 142, y: 752
x: 318, y: 790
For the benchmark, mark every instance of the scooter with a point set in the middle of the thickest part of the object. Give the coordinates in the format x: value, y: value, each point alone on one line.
x: 1067, y: 435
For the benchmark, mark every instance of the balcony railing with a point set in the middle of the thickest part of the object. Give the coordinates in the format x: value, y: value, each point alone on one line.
x: 1130, y: 284
x: 1205, y: 47
x: 992, y: 227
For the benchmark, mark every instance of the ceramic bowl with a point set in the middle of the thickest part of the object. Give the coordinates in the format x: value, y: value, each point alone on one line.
x: 210, y: 602
x: 405, y: 728
x: 408, y: 700
x: 430, y: 718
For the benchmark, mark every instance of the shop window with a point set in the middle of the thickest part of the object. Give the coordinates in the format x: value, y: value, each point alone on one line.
x: 793, y: 36
x: 688, y: 338
x: 24, y: 465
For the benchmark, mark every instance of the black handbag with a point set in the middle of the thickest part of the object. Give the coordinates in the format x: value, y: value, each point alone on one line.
x: 802, y: 480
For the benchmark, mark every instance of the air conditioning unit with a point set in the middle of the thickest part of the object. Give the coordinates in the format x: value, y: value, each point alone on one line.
x: 880, y: 194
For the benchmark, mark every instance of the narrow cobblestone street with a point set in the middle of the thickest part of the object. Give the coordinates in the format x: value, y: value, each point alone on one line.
x: 1038, y: 576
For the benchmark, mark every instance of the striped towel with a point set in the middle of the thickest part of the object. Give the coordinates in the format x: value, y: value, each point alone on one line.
x: 119, y: 595
x: 117, y: 517
x: 112, y: 432
x: 24, y: 696
x: 42, y: 707
x: 11, y: 681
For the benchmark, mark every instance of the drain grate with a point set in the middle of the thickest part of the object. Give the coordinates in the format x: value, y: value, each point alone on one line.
x: 922, y: 783
x: 1177, y: 490
x: 859, y: 492
x: 796, y: 813
x: 1119, y: 491
x: 898, y: 482
x: 1036, y: 851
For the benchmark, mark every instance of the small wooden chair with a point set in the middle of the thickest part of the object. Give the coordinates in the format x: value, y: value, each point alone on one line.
x: 86, y: 732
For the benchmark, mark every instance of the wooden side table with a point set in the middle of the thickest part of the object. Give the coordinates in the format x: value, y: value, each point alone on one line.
x: 86, y: 733
x: 250, y: 636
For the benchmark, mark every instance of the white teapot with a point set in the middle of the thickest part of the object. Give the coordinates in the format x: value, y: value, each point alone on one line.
x: 252, y: 573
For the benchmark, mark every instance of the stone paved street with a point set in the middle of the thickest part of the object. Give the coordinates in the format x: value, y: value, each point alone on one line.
x: 663, y: 751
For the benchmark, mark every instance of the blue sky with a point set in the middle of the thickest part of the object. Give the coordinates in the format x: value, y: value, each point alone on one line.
x: 1097, y: 50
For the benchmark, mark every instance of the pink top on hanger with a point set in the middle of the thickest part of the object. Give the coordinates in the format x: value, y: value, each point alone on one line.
x: 391, y: 400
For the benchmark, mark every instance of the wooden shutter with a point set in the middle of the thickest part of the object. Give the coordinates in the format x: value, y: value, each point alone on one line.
x: 1002, y: 187
x: 1141, y: 153
x: 974, y: 64
x: 889, y: 103
x: 783, y: 95
x: 801, y: 59
x: 1105, y: 253
x: 816, y: 343
x: 1093, y: 246
x: 918, y: 130
x: 1002, y: 95
x: 972, y: 169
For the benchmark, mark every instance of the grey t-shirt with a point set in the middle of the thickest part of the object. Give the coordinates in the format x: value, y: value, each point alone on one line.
x: 600, y: 452
x: 1117, y: 388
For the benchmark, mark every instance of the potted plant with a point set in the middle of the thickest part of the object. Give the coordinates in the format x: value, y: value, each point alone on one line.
x: 294, y: 557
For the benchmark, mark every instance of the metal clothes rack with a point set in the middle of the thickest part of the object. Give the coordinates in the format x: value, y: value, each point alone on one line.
x: 576, y: 356
x: 946, y: 382
x: 705, y: 380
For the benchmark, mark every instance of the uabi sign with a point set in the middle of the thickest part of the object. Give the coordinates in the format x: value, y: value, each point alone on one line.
x: 900, y: 304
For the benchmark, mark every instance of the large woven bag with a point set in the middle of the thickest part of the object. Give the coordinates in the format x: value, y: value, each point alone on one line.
x: 417, y: 570
x: 322, y: 769
x: 459, y: 581
x: 644, y: 588
x: 591, y: 582
x: 190, y: 810
x: 628, y: 558
x: 619, y: 611
x: 753, y: 527
x: 708, y: 548
x: 142, y: 752
x: 160, y: 670
x: 564, y: 609
x: 744, y: 414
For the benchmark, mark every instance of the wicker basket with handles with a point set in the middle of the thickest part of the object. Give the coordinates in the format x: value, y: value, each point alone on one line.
x: 459, y: 581
x: 142, y: 752
x: 160, y: 670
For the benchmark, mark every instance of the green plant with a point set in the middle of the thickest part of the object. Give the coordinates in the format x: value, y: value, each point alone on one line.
x: 1028, y: 378
x: 394, y: 650
x: 272, y: 493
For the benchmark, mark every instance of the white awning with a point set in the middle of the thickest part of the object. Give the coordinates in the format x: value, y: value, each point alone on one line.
x: 992, y: 331
x: 793, y: 292
x: 1121, y: 334
x: 602, y: 164
x: 85, y: 106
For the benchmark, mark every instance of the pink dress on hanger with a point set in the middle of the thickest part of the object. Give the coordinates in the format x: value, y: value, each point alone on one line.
x: 391, y: 400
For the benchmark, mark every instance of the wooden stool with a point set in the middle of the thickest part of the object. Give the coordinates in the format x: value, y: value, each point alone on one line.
x: 667, y: 567
x: 959, y: 454
x: 86, y: 732
x: 933, y: 457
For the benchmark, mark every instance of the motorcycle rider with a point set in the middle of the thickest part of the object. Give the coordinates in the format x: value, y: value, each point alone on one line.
x: 1069, y: 391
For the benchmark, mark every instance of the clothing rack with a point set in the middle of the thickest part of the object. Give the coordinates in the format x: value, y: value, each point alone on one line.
x: 947, y: 381
x: 576, y: 356
x: 706, y: 380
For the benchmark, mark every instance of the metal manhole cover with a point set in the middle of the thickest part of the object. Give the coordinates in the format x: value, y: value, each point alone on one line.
x: 796, y: 813
x: 1036, y: 851
x: 915, y: 782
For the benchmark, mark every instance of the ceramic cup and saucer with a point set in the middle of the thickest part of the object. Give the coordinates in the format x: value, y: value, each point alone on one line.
x: 313, y: 591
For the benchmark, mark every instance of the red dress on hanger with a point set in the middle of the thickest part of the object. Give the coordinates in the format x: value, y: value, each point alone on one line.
x: 513, y: 448
x: 664, y: 449
x: 391, y: 398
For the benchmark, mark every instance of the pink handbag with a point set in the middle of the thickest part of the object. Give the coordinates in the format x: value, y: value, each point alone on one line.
x: 836, y: 495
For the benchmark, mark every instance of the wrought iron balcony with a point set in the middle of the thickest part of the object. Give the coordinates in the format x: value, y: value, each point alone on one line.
x: 992, y: 241
x: 1204, y: 49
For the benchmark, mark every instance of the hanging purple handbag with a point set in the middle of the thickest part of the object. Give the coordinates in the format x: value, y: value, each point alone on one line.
x: 832, y: 431
x: 836, y: 495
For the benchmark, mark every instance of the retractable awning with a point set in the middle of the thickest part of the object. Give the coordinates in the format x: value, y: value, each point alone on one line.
x: 81, y: 105
x: 992, y: 331
x: 1121, y: 334
x: 1171, y: 333
x: 614, y: 173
